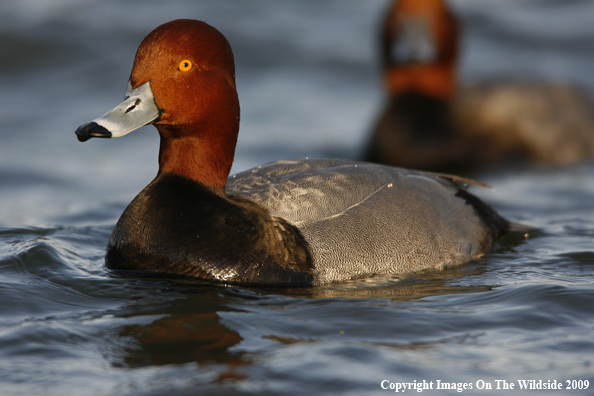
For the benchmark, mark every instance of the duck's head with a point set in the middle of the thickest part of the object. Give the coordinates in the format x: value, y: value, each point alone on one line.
x: 183, y: 82
x: 420, y: 47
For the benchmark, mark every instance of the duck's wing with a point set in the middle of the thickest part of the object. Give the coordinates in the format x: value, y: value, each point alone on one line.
x: 364, y: 218
x: 305, y: 190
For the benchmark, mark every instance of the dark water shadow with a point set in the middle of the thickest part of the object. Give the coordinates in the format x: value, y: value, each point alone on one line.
x: 394, y: 287
x: 187, y: 330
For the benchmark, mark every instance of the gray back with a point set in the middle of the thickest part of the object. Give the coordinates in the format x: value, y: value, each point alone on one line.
x: 362, y: 219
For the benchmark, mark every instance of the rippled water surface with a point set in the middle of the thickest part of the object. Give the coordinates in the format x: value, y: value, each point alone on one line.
x: 308, y: 83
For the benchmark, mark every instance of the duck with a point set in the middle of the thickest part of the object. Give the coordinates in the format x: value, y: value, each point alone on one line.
x: 430, y: 122
x: 297, y: 222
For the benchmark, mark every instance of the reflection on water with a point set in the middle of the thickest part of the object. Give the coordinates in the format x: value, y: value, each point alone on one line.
x: 401, y: 288
x: 191, y: 330
x: 179, y: 338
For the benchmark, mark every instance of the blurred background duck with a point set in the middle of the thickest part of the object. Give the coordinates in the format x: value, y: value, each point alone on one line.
x: 431, y: 123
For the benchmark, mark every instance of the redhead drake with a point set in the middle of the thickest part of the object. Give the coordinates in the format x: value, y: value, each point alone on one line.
x: 294, y: 222
x: 428, y: 123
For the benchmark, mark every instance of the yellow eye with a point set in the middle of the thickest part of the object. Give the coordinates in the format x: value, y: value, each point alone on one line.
x: 185, y: 65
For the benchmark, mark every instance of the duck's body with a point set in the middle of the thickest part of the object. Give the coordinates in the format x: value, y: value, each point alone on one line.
x: 431, y: 123
x: 361, y: 219
x: 299, y: 222
x: 178, y: 226
x: 418, y: 131
x: 540, y: 123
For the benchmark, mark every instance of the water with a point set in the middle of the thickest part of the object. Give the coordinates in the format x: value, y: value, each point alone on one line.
x: 308, y: 85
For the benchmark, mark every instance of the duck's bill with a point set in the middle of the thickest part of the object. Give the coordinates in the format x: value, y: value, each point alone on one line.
x: 138, y: 109
x: 415, y: 43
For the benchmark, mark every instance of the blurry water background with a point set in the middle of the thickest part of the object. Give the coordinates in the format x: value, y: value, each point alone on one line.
x: 308, y: 83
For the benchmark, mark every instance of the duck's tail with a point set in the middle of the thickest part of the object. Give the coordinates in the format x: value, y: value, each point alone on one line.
x: 519, y: 227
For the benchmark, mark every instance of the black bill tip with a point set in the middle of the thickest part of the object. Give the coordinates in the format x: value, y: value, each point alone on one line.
x: 91, y: 130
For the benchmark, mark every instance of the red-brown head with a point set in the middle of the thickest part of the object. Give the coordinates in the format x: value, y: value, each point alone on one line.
x: 420, y: 48
x: 183, y: 82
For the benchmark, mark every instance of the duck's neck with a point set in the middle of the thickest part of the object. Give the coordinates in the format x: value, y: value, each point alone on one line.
x: 435, y: 80
x: 202, y: 157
